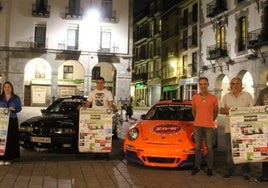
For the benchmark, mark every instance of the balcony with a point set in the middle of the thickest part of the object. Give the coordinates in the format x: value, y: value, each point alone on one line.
x: 154, y: 74
x: 217, y: 51
x: 256, y: 39
x: 40, y: 10
x: 73, y: 13
x: 109, y: 16
x: 216, y: 7
x: 140, y: 77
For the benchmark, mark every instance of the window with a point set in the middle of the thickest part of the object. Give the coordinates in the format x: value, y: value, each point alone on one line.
x: 194, y: 35
x: 40, y: 70
x: 107, y: 9
x: 194, y: 64
x: 72, y: 37
x: 220, y: 37
x: 151, y: 28
x: 96, y: 73
x: 242, y: 34
x: 74, y: 7
x: 195, y: 13
x: 41, y: 8
x: 185, y: 17
x: 185, y: 36
x: 184, y: 65
x: 68, y: 72
x: 105, y: 40
x: 40, y: 36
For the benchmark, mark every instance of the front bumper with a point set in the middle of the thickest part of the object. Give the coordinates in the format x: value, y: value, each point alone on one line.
x: 160, y: 156
x: 55, y: 142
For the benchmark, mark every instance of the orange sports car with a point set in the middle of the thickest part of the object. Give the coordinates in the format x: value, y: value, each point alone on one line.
x: 164, y: 136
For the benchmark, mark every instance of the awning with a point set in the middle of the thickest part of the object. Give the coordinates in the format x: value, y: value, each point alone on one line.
x: 170, y: 88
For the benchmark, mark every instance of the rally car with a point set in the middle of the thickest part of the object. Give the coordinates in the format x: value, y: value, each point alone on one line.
x: 164, y: 136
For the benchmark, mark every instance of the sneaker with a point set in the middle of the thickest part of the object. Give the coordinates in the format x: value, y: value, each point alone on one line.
x: 227, y: 176
x: 209, y: 172
x: 261, y: 179
x: 2, y: 163
x: 246, y: 177
x: 195, y: 171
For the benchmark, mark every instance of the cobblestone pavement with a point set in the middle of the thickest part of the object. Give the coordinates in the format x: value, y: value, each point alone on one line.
x: 50, y: 169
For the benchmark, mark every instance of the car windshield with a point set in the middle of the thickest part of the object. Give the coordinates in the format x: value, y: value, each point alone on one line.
x: 64, y: 106
x: 170, y: 112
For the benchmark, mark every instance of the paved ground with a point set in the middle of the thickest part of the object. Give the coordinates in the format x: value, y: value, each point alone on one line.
x: 49, y: 169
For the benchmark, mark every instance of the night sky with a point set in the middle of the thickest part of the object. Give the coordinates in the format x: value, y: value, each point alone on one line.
x: 139, y: 4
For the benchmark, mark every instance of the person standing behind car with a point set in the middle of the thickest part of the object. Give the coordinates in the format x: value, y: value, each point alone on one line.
x: 205, y: 111
x: 263, y: 100
x: 100, y: 99
x: 8, y: 99
x: 235, y: 98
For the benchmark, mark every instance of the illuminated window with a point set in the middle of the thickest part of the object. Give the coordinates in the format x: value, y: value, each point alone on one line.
x: 68, y: 72
x: 220, y: 37
x: 242, y: 34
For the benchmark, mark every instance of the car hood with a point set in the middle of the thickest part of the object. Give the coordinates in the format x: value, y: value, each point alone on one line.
x: 165, y: 132
x: 46, y: 118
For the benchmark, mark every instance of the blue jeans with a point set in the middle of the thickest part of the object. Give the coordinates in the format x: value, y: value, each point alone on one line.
x: 229, y: 158
x: 199, y: 134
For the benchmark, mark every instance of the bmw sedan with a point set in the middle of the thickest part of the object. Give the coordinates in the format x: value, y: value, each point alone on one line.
x: 57, y: 126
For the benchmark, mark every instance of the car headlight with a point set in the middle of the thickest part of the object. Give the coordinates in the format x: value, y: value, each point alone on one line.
x: 133, y: 134
x: 64, y: 131
x: 26, y: 129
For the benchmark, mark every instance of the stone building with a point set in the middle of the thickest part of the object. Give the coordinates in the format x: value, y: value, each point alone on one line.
x: 234, y: 42
x: 219, y: 39
x: 51, y: 49
x: 166, y: 51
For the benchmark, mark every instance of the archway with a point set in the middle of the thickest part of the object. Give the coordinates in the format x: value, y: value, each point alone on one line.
x: 37, y: 81
x: 108, y: 72
x: 70, y: 78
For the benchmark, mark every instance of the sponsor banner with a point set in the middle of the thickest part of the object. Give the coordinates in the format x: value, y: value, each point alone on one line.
x: 249, y: 134
x: 95, y: 131
x: 4, y: 119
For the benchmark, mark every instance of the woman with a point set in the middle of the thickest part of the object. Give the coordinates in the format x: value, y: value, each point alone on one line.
x: 11, y: 101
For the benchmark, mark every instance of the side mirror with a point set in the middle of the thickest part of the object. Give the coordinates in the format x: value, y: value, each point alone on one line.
x: 143, y: 116
x: 43, y: 111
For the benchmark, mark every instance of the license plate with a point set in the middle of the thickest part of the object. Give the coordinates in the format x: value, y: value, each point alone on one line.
x: 40, y: 139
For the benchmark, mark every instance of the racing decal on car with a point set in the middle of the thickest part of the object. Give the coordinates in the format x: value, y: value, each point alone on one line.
x: 166, y: 129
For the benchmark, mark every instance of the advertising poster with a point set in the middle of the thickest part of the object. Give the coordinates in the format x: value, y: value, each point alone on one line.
x: 95, y: 131
x: 249, y: 134
x: 4, y: 118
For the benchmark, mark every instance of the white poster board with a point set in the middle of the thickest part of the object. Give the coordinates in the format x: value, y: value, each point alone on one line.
x: 4, y: 119
x: 249, y: 134
x: 95, y: 131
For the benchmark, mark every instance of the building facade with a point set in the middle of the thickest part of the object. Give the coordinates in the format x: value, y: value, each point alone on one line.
x: 219, y: 39
x: 166, y: 51
x: 51, y: 49
x: 234, y: 42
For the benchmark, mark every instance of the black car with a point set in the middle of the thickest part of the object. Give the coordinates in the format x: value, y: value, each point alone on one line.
x: 57, y: 127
